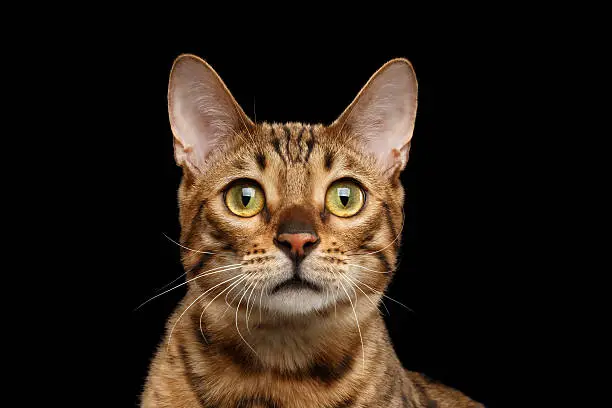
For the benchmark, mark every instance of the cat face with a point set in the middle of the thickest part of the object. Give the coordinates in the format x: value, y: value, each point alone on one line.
x: 298, y: 217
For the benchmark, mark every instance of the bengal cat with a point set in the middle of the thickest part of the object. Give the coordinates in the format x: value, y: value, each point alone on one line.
x: 290, y: 234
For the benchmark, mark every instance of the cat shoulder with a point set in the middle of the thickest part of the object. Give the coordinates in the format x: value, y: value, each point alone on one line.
x: 439, y: 395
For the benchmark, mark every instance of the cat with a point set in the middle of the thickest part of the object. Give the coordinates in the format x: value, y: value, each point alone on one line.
x: 289, y: 236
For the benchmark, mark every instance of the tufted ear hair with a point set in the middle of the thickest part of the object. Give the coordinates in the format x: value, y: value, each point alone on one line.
x: 204, y: 116
x: 383, y: 113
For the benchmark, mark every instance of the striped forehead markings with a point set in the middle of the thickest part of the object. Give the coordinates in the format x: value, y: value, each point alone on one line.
x: 310, y: 144
x: 293, y: 147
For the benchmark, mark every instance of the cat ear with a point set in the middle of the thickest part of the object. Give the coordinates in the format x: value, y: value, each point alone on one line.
x: 203, y: 114
x: 382, y: 115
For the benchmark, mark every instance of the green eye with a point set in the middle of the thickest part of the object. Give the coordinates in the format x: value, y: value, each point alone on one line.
x: 344, y: 198
x: 245, y: 198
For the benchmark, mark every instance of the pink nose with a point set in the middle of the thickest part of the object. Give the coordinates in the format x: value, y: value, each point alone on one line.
x: 297, y: 242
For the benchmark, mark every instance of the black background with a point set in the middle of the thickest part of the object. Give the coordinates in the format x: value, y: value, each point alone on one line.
x: 460, y: 258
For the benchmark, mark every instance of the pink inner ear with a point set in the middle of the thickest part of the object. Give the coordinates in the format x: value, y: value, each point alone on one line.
x: 203, y: 114
x: 382, y: 116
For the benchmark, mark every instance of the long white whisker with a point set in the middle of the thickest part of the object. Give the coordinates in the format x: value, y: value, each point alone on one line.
x: 232, y: 301
x: 228, y: 305
x: 238, y: 329
x: 238, y: 294
x: 336, y: 302
x: 354, y: 291
x: 252, y: 306
x: 357, y: 321
x: 260, y: 296
x: 192, y: 303
x: 189, y: 249
x: 368, y: 269
x: 170, y: 283
x: 357, y: 286
x: 382, y: 294
x: 213, y: 299
x: 184, y: 273
x: 246, y: 312
x: 206, y: 273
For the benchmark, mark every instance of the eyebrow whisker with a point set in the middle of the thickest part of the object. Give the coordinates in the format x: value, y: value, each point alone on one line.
x: 187, y: 248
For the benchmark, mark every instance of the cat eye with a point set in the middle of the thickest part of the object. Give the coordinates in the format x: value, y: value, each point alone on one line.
x: 344, y: 198
x: 245, y: 198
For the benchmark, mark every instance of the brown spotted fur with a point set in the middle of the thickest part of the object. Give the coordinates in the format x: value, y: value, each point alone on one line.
x: 313, y: 360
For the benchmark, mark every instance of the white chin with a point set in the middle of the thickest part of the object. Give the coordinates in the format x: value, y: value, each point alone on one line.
x: 294, y: 301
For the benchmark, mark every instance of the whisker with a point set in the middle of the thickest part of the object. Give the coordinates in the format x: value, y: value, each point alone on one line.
x: 189, y: 249
x: 260, y: 296
x: 170, y: 283
x: 205, y: 273
x: 354, y: 291
x: 357, y: 321
x: 245, y: 289
x: 368, y: 269
x: 228, y: 305
x: 192, y: 303
x: 357, y: 286
x: 213, y: 299
x: 180, y: 276
x: 238, y: 329
x: 336, y: 302
x: 382, y: 294
x: 238, y: 294
x: 246, y: 312
x: 252, y: 305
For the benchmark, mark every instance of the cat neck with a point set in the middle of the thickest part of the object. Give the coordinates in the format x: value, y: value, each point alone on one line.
x: 336, y: 337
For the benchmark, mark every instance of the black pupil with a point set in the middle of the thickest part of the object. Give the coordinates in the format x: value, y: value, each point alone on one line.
x: 344, y: 195
x: 247, y: 194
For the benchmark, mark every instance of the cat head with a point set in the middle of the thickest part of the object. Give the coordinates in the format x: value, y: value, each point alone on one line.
x: 304, y: 216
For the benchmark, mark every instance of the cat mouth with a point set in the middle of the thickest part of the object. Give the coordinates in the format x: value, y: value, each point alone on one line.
x: 295, y: 283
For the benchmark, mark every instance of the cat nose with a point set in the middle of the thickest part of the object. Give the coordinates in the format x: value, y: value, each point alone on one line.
x: 297, y: 245
x: 296, y: 234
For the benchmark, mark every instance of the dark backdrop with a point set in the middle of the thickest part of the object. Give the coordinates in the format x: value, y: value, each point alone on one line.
x: 459, y: 256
